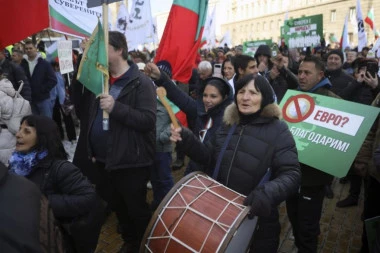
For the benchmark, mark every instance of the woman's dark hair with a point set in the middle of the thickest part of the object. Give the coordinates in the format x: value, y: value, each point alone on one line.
x: 261, y: 84
x: 228, y: 59
x: 118, y: 41
x: 221, y: 85
x: 48, y: 137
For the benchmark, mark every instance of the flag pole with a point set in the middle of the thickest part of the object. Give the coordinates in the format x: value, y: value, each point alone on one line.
x: 105, y: 77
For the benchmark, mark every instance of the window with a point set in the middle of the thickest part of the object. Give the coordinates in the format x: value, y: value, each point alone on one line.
x: 271, y: 25
x: 333, y: 16
x: 352, y: 14
x: 350, y: 37
x: 280, y: 23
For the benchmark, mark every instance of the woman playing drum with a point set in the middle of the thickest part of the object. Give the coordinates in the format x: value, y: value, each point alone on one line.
x: 258, y: 140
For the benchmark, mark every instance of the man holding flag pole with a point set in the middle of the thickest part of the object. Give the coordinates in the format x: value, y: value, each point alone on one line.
x: 124, y: 151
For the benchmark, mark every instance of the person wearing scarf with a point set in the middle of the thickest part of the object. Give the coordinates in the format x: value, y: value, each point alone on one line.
x: 40, y: 157
x: 261, y: 146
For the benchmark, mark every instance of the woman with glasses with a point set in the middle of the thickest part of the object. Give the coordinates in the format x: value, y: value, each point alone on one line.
x: 205, y: 113
x: 257, y: 156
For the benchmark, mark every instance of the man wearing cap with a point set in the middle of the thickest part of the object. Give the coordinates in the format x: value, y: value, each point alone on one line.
x: 339, y: 79
x: 238, y: 50
x: 15, y: 74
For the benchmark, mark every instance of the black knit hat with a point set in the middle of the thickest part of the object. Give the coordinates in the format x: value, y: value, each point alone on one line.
x: 263, y: 50
x: 337, y: 52
x: 261, y: 84
x: 165, y: 67
x: 220, y: 84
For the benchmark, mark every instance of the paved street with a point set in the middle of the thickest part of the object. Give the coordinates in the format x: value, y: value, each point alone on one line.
x: 341, y: 228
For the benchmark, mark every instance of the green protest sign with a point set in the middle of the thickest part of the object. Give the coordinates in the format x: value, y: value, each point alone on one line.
x: 250, y: 47
x: 328, y: 132
x: 303, y: 32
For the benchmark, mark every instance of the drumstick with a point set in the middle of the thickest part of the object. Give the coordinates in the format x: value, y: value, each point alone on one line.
x: 161, y: 93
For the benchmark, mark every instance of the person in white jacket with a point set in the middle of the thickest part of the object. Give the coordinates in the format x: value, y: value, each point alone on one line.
x: 7, y: 139
x: 12, y: 108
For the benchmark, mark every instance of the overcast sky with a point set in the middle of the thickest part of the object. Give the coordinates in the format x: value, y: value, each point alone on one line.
x: 158, y: 6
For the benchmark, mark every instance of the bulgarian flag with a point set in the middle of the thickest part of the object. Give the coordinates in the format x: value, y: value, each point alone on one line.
x: 73, y: 17
x: 20, y: 19
x: 344, y: 43
x: 182, y: 36
x: 370, y: 20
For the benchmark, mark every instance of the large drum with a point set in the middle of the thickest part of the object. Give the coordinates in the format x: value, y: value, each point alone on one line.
x: 199, y: 215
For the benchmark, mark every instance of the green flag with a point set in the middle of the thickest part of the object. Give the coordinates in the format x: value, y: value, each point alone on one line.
x: 94, y: 63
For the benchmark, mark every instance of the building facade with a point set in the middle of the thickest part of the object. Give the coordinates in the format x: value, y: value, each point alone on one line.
x: 262, y: 19
x: 249, y: 20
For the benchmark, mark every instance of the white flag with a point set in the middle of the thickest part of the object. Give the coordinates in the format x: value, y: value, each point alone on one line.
x: 209, y: 31
x: 140, y: 26
x: 212, y: 37
x: 362, y: 37
x: 110, y: 27
x: 155, y: 34
x: 226, y: 40
x: 122, y: 19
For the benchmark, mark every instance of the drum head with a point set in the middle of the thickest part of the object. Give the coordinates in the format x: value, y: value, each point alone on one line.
x: 199, y: 215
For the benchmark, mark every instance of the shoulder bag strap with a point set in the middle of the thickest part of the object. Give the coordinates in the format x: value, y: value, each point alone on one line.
x: 58, y: 164
x: 217, y: 167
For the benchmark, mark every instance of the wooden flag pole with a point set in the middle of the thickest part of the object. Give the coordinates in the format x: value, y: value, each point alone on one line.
x: 161, y: 93
x: 105, y: 77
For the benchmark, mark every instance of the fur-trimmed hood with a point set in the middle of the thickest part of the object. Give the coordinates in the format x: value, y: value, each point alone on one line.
x: 231, y: 114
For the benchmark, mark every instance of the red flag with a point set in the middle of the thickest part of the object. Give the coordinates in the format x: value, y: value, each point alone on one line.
x: 182, y: 37
x: 20, y: 19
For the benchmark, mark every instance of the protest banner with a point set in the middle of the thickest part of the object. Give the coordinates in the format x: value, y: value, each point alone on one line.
x: 65, y: 56
x: 303, y: 32
x: 250, y: 47
x: 328, y: 132
x: 73, y: 17
x: 140, y: 28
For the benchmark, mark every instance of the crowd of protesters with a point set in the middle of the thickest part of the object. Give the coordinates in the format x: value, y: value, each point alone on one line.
x: 230, y: 93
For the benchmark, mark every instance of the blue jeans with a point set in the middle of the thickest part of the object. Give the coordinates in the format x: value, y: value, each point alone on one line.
x: 43, y: 108
x: 161, y: 177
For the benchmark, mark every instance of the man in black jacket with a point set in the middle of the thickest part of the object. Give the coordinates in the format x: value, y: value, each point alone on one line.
x: 42, y: 79
x: 304, y: 208
x: 125, y: 153
x: 339, y: 79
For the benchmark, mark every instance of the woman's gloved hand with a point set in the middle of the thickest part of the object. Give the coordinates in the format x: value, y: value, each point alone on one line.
x: 259, y: 202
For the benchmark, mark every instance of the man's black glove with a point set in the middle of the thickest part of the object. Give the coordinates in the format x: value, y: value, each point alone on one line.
x: 259, y: 202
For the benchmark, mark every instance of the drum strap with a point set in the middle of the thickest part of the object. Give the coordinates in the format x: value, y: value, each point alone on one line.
x: 217, y: 167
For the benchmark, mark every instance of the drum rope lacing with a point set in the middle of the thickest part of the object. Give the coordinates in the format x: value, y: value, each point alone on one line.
x: 187, y: 207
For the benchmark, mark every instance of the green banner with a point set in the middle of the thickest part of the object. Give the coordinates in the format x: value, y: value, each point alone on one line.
x: 250, y: 47
x: 303, y: 32
x: 328, y: 132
